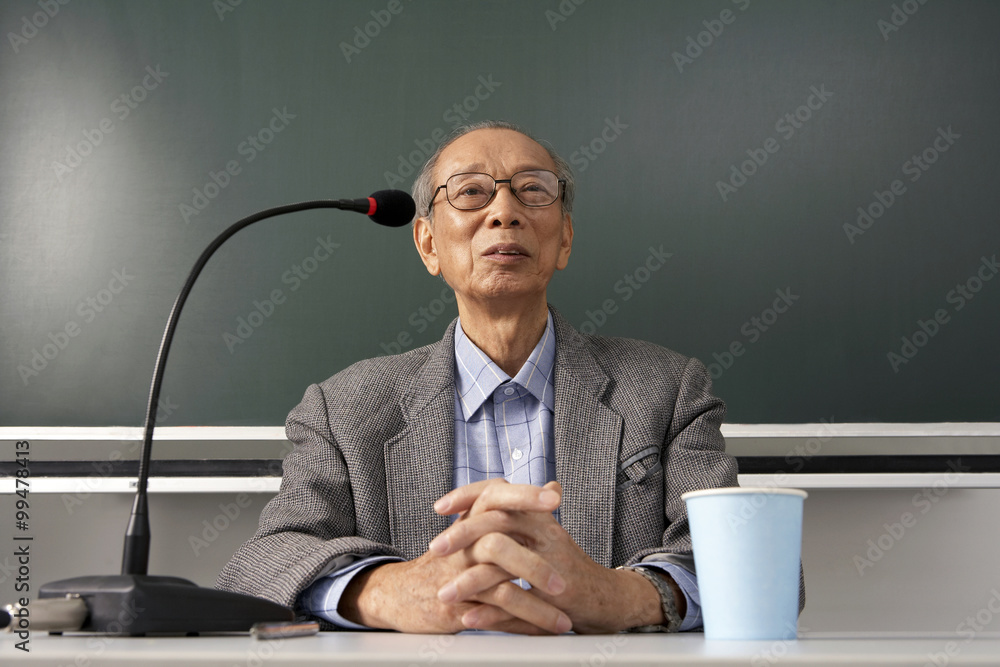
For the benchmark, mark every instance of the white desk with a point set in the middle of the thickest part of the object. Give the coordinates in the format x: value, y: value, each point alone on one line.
x: 386, y: 649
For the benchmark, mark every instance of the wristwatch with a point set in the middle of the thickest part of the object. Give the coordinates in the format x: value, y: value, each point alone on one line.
x: 667, y: 601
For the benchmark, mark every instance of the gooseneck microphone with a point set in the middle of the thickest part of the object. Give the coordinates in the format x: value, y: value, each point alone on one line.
x: 392, y: 208
x: 170, y: 604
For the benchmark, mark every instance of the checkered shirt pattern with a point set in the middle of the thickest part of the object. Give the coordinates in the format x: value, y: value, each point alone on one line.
x: 503, y: 426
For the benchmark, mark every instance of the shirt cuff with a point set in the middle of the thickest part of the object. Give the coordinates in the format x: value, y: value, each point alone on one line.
x: 323, y: 596
x: 688, y: 583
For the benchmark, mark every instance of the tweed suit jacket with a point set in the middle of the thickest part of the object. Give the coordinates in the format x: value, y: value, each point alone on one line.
x: 635, y: 427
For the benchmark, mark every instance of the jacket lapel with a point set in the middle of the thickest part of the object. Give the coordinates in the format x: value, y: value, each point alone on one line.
x: 587, y: 437
x: 419, y: 461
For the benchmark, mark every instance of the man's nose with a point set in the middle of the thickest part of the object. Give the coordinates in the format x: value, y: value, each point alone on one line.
x: 505, y: 209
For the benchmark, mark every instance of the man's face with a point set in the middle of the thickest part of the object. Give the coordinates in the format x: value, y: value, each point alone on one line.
x: 464, y: 246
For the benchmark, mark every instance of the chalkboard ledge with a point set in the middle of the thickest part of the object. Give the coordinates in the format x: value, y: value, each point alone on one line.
x: 821, y: 430
x: 264, y: 476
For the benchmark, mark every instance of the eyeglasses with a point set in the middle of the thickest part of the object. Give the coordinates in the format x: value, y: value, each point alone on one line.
x: 473, y: 190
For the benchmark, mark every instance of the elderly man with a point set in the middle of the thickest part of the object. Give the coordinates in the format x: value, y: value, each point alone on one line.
x: 517, y: 475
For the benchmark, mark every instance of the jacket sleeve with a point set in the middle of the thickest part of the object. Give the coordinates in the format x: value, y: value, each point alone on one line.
x: 309, y: 529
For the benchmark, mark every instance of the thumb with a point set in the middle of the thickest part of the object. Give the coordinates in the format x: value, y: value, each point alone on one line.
x: 554, y: 486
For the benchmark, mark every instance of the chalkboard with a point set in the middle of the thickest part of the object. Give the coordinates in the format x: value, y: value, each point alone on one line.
x: 801, y: 194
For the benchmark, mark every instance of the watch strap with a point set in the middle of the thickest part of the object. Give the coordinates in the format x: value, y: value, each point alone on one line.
x: 667, y: 601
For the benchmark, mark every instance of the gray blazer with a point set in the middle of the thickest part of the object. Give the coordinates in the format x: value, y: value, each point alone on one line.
x: 635, y: 427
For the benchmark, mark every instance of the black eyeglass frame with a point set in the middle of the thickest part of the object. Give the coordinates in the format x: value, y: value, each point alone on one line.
x: 497, y: 181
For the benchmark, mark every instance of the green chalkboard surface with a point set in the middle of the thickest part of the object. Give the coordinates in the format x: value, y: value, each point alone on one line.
x: 802, y: 195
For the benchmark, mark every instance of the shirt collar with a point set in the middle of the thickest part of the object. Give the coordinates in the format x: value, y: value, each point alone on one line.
x: 477, y: 376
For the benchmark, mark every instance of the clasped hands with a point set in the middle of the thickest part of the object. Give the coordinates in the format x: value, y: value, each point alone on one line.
x: 463, y: 581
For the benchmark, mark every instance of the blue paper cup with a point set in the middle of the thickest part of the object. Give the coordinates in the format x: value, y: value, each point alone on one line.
x: 747, y: 549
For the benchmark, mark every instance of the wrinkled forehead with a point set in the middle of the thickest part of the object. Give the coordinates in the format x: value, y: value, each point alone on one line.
x: 497, y: 152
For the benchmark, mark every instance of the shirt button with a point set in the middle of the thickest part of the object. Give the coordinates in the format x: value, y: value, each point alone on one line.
x: 508, y: 391
x: 516, y: 454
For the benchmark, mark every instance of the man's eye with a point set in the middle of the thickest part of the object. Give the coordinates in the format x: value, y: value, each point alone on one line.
x: 470, y: 191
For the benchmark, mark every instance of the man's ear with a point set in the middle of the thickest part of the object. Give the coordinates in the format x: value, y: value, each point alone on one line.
x: 423, y: 238
x: 566, y: 246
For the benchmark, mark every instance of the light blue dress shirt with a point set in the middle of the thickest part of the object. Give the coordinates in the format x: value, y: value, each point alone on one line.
x: 503, y: 428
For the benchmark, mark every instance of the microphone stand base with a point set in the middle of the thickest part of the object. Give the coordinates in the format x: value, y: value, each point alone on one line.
x: 137, y: 605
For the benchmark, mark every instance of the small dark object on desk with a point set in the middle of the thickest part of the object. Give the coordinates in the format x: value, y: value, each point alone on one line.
x: 282, y: 630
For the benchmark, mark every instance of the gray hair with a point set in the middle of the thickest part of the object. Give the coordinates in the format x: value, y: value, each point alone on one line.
x: 423, y: 186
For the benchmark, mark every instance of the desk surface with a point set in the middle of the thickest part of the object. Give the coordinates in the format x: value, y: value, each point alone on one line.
x: 356, y: 648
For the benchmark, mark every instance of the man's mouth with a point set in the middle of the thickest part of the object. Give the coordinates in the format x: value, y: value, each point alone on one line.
x: 506, y: 250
